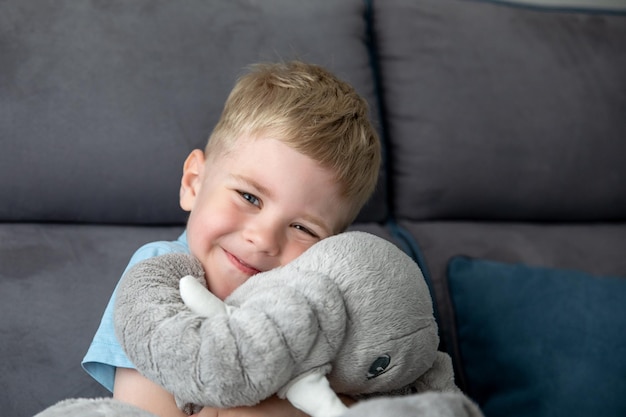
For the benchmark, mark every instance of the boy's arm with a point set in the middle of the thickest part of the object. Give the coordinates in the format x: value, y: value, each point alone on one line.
x: 133, y: 388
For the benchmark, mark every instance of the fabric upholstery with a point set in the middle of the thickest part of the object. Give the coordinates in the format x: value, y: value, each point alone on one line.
x: 500, y: 113
x: 55, y: 281
x: 540, y: 341
x: 592, y: 248
x: 102, y: 101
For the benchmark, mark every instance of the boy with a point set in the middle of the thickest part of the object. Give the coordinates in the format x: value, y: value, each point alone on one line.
x: 291, y: 161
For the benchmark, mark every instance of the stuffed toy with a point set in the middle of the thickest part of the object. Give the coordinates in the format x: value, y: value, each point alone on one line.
x: 352, y: 315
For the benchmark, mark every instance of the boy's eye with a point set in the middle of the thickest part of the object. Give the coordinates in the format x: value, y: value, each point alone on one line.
x: 250, y: 198
x: 305, y: 230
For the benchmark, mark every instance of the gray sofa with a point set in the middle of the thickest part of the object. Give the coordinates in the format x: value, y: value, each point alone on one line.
x: 504, y: 131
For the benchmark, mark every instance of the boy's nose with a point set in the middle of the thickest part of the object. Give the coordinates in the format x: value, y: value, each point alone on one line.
x: 264, y: 236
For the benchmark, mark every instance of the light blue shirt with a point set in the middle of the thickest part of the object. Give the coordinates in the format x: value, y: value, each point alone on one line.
x: 105, y: 352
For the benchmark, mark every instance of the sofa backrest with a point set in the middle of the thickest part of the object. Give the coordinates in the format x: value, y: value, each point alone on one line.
x: 502, y: 113
x: 489, y: 111
x: 100, y: 102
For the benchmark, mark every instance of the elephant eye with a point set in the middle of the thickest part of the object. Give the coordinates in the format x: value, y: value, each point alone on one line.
x: 379, y: 366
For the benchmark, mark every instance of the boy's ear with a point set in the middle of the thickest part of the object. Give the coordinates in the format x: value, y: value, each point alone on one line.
x: 192, y: 179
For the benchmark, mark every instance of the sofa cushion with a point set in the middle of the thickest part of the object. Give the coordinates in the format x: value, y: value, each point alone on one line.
x: 101, y: 101
x: 55, y: 281
x: 502, y: 112
x: 540, y: 341
x: 597, y: 249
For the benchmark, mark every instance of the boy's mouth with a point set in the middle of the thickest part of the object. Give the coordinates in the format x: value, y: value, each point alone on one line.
x: 241, y: 265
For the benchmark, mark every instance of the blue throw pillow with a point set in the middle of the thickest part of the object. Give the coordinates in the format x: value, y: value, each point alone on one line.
x: 540, y: 342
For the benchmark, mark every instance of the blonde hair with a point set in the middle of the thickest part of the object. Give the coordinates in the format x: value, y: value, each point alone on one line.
x: 313, y: 112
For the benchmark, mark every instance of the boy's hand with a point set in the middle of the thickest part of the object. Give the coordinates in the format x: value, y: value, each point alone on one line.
x: 271, y: 407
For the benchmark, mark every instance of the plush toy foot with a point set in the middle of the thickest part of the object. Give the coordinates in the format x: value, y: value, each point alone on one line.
x: 428, y: 404
x: 88, y: 407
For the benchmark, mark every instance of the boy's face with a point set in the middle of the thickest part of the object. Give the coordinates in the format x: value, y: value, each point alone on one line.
x: 256, y: 208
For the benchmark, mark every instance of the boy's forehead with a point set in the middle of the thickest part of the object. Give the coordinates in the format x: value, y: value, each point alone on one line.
x: 254, y: 140
x: 268, y: 153
x: 276, y: 171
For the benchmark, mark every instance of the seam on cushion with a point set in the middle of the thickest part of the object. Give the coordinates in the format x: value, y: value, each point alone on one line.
x: 372, y: 49
x: 448, y: 336
x: 410, y: 246
x: 554, y: 8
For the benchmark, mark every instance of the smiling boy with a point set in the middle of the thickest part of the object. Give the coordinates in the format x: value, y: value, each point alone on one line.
x: 248, y: 216
x: 291, y: 161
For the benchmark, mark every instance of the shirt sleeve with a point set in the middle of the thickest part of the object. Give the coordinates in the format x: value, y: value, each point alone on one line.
x: 105, y: 352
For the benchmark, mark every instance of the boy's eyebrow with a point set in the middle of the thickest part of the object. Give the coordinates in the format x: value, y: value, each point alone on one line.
x: 254, y: 184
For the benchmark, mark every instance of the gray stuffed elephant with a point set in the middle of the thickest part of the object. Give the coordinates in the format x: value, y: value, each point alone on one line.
x: 352, y: 315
